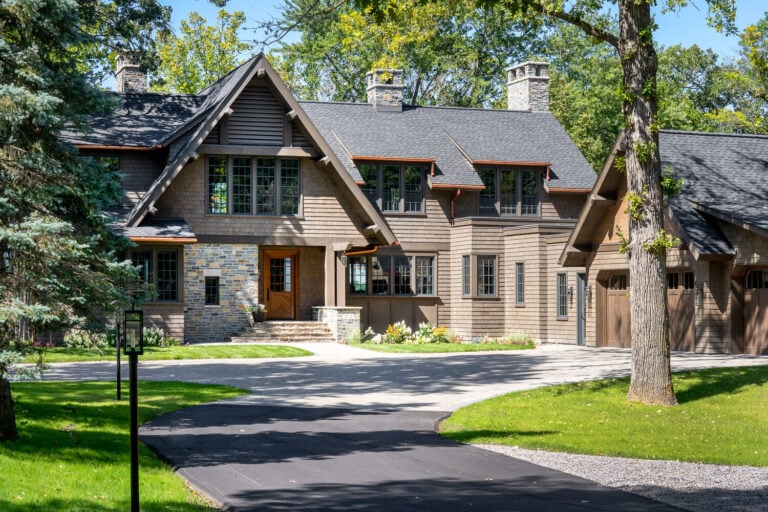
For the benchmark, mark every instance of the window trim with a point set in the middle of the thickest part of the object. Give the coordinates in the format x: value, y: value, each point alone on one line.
x: 561, y: 293
x: 389, y: 277
x: 154, y: 250
x: 519, y: 283
x: 375, y: 192
x: 217, y: 302
x: 474, y: 283
x: 519, y: 196
x: 495, y: 268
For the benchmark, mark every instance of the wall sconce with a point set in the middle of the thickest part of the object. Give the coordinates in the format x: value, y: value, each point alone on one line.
x: 570, y: 295
x: 588, y: 295
x: 700, y: 293
x: 343, y: 259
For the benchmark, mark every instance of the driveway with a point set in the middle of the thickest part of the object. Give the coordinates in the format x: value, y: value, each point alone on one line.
x: 348, y: 429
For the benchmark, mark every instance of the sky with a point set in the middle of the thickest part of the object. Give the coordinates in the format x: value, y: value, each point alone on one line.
x: 686, y: 27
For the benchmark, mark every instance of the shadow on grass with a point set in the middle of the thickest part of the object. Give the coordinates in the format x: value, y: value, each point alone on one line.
x: 720, y: 381
x: 477, y: 436
x: 94, y: 505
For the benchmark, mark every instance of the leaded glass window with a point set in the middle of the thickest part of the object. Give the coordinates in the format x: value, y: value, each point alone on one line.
x: 290, y: 189
x: 242, y: 186
x: 218, y: 193
x: 265, y: 186
x: 486, y: 276
x: 425, y: 275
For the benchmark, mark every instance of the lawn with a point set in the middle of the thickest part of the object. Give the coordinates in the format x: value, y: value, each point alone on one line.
x: 73, y: 454
x: 439, y: 348
x: 72, y: 354
x: 722, y: 419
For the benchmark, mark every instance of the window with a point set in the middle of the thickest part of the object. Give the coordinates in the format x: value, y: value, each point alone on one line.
x: 688, y: 282
x: 757, y: 279
x: 391, y: 275
x: 618, y: 282
x: 218, y: 197
x: 160, y: 268
x: 395, y: 188
x: 212, y: 291
x: 260, y: 186
x: 519, y: 283
x: 509, y: 192
x: 562, y: 296
x: 486, y: 276
x: 466, y: 276
x: 673, y: 281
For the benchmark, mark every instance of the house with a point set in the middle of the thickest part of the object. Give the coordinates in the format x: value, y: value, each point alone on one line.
x: 717, y: 280
x: 356, y: 214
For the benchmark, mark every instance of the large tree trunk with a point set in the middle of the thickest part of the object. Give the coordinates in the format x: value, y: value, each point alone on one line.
x: 651, y: 377
x: 8, y: 430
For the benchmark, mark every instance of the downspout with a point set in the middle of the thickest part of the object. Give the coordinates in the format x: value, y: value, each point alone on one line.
x: 453, y: 203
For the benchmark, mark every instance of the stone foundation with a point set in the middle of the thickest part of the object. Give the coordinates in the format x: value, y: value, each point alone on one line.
x: 344, y: 322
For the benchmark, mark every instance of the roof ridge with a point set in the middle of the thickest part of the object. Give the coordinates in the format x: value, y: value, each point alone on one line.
x: 157, y: 93
x: 718, y: 134
x: 428, y: 107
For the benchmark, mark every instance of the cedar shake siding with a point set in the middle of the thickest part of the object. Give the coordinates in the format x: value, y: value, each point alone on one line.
x: 265, y: 199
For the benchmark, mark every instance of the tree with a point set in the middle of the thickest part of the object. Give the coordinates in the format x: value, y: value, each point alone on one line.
x: 647, y: 245
x: 452, y: 53
x: 201, y: 54
x: 58, y: 264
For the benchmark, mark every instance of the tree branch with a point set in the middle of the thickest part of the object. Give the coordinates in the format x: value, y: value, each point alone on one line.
x: 573, y: 19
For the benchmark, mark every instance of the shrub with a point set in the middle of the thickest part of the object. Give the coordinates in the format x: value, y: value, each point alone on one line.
x: 398, y: 333
x: 83, y: 338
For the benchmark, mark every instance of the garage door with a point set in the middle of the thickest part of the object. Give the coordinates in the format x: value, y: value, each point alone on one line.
x: 756, y: 312
x: 680, y: 303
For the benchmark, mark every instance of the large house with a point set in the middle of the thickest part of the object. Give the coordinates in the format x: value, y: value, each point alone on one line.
x: 717, y: 280
x: 356, y: 214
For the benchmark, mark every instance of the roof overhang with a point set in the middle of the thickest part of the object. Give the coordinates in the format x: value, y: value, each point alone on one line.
x: 162, y: 240
x: 118, y: 148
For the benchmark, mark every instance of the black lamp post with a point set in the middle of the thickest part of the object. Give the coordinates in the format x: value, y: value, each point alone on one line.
x: 133, y: 346
x: 118, y: 349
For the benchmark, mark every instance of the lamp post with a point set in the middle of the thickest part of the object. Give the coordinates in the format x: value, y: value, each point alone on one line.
x: 118, y: 348
x: 133, y: 346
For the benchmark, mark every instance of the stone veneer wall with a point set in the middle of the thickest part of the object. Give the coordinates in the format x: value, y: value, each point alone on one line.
x: 344, y: 322
x: 237, y: 266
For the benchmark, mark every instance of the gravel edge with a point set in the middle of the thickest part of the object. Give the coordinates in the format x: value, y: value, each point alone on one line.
x: 689, y: 486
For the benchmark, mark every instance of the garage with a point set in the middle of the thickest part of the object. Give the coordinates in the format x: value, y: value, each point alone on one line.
x: 756, y: 312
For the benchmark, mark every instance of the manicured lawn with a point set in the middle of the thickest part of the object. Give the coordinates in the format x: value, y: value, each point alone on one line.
x: 438, y: 348
x: 70, y: 354
x: 73, y: 454
x: 722, y: 419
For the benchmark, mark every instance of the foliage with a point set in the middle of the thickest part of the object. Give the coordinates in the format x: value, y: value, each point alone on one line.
x: 670, y: 186
x: 661, y: 243
x: 443, y: 348
x: 717, y: 421
x: 87, y: 339
x: 74, y: 448
x: 452, y: 52
x: 398, y: 332
x: 201, y: 54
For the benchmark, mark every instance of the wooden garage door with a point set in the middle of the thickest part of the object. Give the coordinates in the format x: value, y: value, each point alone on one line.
x: 617, y: 312
x: 681, y: 301
x: 756, y: 312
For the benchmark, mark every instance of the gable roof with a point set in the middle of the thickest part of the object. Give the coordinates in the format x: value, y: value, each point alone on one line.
x: 455, y: 139
x: 725, y: 179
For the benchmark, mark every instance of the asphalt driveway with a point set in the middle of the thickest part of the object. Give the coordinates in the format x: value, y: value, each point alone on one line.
x: 353, y: 430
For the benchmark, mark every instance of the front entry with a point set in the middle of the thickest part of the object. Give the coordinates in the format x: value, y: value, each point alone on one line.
x: 280, y: 270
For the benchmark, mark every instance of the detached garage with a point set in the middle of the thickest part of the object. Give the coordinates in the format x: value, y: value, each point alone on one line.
x: 717, y: 279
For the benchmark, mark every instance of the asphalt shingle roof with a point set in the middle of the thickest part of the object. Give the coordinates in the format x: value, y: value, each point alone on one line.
x: 140, y: 120
x: 724, y: 175
x: 430, y: 132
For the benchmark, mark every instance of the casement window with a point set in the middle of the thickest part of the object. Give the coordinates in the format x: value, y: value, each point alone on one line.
x: 394, y: 188
x: 509, y: 192
x: 212, y: 291
x: 160, y: 268
x: 677, y: 279
x: 757, y: 279
x: 519, y: 283
x: 401, y: 275
x: 479, y: 276
x: 254, y: 186
x: 562, y: 296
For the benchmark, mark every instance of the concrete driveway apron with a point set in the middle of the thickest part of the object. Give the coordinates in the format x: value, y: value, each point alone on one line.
x: 348, y: 429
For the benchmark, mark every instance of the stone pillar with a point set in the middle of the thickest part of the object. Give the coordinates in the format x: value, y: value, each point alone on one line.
x: 528, y: 87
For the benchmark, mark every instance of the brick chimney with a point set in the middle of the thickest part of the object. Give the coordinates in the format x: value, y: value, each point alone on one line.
x: 528, y: 87
x: 385, y: 89
x: 128, y: 75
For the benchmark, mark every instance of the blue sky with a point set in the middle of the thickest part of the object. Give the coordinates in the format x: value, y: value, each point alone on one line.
x: 686, y: 27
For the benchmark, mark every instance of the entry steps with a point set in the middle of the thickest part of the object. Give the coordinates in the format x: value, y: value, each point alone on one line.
x: 285, y: 331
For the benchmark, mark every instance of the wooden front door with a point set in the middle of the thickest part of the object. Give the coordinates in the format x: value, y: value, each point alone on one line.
x: 281, y: 277
x: 617, y: 328
x: 756, y: 312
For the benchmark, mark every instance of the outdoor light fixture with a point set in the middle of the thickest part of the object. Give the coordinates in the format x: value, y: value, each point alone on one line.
x: 133, y: 346
x: 343, y: 259
x: 700, y: 293
x: 570, y: 295
x: 588, y: 294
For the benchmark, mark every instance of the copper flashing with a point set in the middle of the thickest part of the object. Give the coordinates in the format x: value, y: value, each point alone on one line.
x: 454, y: 186
x: 394, y: 159
x: 519, y: 164
x: 363, y: 251
x: 162, y: 240
x: 569, y: 190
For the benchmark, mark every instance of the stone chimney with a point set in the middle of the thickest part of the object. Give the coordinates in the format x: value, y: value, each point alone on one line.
x: 528, y: 86
x: 128, y: 75
x: 385, y: 89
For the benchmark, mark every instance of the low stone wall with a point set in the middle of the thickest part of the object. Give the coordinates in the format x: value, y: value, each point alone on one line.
x: 344, y: 322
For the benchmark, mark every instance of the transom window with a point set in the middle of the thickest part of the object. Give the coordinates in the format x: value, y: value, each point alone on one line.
x: 394, y: 187
x: 391, y: 275
x: 509, y: 192
x: 160, y: 268
x: 757, y: 279
x: 260, y: 186
x: 479, y: 276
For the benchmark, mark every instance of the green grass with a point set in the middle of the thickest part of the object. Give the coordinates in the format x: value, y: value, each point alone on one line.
x: 722, y: 419
x: 74, y: 453
x: 439, y: 348
x: 71, y: 354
